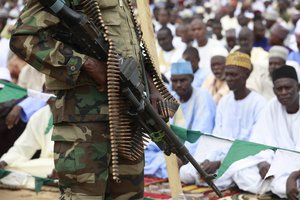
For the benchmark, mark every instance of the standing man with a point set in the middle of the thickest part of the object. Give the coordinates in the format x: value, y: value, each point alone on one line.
x: 83, y: 150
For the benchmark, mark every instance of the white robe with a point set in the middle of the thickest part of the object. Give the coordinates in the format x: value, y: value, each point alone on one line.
x: 37, y: 135
x: 235, y: 118
x: 275, y: 127
x: 199, y: 114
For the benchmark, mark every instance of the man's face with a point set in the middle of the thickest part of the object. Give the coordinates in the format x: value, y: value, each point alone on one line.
x: 165, y: 40
x: 193, y: 59
x: 217, y: 66
x: 275, y: 63
x: 231, y: 41
x: 242, y: 20
x: 246, y: 41
x: 287, y: 91
x: 217, y: 29
x: 182, y: 84
x: 236, y: 77
x: 199, y: 30
x: 163, y: 17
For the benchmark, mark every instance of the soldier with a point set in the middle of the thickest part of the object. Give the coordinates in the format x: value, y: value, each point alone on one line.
x: 80, y: 112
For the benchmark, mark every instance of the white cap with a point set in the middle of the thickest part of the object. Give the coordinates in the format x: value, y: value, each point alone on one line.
x: 4, y: 74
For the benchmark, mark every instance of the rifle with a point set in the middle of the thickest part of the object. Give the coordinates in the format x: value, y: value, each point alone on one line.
x: 93, y: 43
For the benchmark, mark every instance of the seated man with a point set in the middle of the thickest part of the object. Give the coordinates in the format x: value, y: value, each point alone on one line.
x: 191, y: 54
x: 198, y: 111
x: 14, y: 115
x: 237, y: 111
x: 278, y: 126
x: 36, y: 136
x: 215, y: 83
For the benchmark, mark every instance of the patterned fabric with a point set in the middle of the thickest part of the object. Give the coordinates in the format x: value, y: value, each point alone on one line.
x: 239, y: 59
x: 83, y: 164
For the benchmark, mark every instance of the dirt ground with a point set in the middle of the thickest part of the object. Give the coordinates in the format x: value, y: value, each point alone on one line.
x: 6, y: 194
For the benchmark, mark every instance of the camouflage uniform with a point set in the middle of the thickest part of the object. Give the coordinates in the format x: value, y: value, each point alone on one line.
x: 80, y: 112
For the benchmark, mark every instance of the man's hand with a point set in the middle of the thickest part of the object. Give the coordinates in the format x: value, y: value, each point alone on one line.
x: 263, y: 168
x: 97, y: 70
x: 210, y: 167
x: 292, y: 191
x: 3, y: 164
x: 13, y: 117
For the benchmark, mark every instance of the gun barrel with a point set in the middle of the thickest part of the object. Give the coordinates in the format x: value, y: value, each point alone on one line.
x: 177, y: 147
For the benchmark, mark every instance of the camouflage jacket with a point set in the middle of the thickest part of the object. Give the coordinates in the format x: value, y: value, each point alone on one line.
x: 77, y: 97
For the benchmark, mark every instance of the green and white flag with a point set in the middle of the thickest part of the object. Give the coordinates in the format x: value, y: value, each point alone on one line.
x: 240, y: 150
x: 9, y: 91
x: 185, y: 134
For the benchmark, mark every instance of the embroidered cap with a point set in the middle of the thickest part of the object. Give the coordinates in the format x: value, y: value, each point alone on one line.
x: 239, y: 59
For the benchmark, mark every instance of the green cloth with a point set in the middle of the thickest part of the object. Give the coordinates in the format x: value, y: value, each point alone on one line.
x: 185, y: 134
x: 11, y: 91
x: 3, y: 173
x: 39, y: 182
x: 239, y: 150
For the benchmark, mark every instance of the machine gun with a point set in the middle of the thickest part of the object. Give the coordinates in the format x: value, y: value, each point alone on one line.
x: 132, y: 88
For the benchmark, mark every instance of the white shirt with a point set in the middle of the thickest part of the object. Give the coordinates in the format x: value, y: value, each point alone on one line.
x: 206, y: 52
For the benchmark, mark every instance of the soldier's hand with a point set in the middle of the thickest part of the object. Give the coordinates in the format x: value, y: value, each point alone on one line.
x: 263, y: 168
x: 13, y: 117
x: 292, y: 191
x: 97, y: 71
x: 155, y: 95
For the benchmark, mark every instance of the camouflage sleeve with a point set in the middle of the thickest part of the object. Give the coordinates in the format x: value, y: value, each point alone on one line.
x: 32, y: 41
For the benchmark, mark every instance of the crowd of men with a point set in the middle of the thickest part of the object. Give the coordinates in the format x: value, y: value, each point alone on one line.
x: 233, y: 67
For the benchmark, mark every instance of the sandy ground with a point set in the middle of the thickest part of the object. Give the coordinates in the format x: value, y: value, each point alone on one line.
x: 6, y: 194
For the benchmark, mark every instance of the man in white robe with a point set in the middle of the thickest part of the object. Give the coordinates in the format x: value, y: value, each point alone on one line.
x: 277, y: 126
x: 198, y: 112
x: 37, y: 135
x: 167, y: 52
x: 205, y: 45
x: 261, y: 80
x: 237, y: 111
